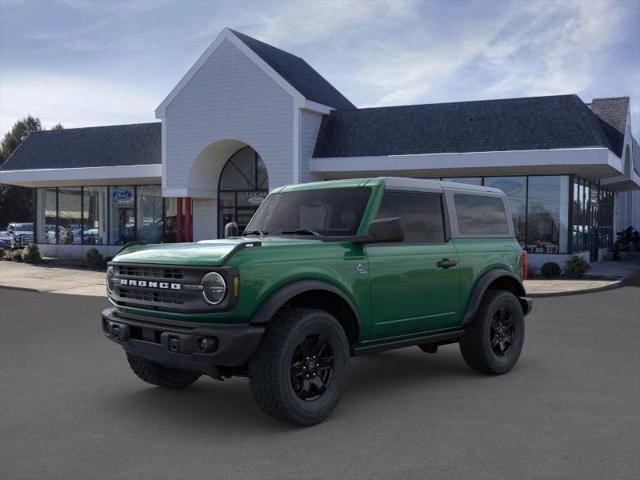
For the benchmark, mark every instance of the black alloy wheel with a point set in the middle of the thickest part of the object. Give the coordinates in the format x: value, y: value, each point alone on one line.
x: 501, y: 332
x: 493, y: 342
x: 312, y: 367
x: 298, y: 372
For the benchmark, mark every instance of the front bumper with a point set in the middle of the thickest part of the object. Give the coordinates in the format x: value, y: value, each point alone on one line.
x: 179, y: 344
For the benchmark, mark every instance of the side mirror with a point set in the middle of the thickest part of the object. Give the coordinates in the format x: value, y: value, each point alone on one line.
x: 231, y: 230
x: 385, y: 230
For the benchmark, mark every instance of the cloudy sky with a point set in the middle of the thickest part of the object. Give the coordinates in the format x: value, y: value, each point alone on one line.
x: 83, y: 63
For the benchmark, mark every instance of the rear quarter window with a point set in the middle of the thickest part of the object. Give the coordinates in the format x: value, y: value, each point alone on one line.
x: 481, y: 215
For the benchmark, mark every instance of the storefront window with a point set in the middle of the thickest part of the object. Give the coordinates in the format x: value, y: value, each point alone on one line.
x: 585, y: 212
x: 548, y: 211
x: 46, y: 215
x: 104, y: 215
x: 516, y: 190
x: 122, y: 221
x: 94, y: 215
x: 593, y: 214
x: 605, y: 219
x: 149, y: 213
x: 170, y: 219
x: 69, y: 216
x: 467, y: 180
x: 582, y: 217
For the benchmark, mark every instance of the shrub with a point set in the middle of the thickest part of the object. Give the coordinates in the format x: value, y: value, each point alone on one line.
x: 551, y: 269
x: 31, y: 254
x: 16, y: 256
x: 94, y: 259
x: 576, y: 266
x: 1, y: 253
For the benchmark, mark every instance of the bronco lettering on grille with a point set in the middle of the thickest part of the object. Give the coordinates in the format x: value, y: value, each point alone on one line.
x: 145, y: 283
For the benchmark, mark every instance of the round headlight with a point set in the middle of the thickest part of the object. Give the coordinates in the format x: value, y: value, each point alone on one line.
x: 214, y: 288
x: 110, y: 274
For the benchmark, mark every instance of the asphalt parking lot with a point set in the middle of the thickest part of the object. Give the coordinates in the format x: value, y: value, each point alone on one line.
x: 70, y: 407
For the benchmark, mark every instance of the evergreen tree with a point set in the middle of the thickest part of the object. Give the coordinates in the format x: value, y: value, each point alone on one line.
x: 16, y: 203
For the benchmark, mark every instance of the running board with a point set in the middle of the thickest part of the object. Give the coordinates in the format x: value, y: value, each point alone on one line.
x: 440, y: 338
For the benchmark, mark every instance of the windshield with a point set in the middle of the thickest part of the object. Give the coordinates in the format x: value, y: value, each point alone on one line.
x: 326, y: 212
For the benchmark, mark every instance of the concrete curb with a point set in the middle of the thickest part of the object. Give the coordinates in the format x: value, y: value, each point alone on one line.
x: 56, y: 292
x: 25, y: 289
x: 612, y: 286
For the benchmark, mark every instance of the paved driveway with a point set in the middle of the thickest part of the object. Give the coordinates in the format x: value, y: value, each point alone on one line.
x: 70, y: 408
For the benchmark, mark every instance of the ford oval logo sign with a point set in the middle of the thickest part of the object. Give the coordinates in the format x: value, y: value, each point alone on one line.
x: 255, y: 200
x: 122, y: 194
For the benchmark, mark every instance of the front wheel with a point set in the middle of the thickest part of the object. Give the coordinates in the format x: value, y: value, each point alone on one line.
x: 156, y: 374
x: 493, y: 342
x: 297, y: 374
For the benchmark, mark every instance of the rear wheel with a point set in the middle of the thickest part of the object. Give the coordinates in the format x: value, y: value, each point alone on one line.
x: 297, y: 374
x: 493, y: 342
x: 156, y: 374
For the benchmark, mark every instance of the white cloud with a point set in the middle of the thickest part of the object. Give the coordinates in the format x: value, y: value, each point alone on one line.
x: 299, y: 22
x: 532, y: 48
x: 73, y: 101
x: 376, y: 52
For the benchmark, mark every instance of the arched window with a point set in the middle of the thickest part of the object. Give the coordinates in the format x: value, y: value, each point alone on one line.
x: 243, y: 186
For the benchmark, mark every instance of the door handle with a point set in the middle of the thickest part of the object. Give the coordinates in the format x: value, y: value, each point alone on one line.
x: 446, y: 263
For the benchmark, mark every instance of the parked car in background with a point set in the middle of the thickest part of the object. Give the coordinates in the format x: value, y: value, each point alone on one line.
x: 19, y: 235
x: 4, y: 239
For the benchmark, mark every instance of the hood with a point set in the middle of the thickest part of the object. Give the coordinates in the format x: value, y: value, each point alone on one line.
x: 204, y: 253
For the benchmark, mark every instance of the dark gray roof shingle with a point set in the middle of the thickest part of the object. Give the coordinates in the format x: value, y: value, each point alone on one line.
x: 533, y: 123
x: 108, y: 146
x: 298, y: 73
x: 612, y: 113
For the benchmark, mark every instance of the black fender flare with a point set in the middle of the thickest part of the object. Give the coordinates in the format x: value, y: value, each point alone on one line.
x: 481, y: 287
x: 276, y: 300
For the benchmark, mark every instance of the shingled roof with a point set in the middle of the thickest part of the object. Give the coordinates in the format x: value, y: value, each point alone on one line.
x: 612, y: 113
x: 533, y: 123
x: 298, y: 73
x: 108, y: 146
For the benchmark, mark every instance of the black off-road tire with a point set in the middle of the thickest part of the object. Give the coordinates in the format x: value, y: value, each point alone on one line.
x: 476, y: 344
x: 156, y: 374
x: 272, y: 371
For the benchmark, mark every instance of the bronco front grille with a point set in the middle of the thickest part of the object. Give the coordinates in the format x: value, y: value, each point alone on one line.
x: 147, y: 295
x: 166, y: 288
x: 157, y: 273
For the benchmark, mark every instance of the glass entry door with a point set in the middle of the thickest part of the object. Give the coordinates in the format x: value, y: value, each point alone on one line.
x: 243, y: 186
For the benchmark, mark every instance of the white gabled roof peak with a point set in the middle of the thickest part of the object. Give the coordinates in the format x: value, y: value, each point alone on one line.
x: 241, y: 44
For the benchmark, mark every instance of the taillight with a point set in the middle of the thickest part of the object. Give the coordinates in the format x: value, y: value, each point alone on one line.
x: 524, y: 264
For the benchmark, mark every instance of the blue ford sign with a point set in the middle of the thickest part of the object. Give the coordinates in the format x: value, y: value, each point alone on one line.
x: 121, y: 194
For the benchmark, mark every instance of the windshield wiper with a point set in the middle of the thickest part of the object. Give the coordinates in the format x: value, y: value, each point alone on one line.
x: 301, y: 231
x: 254, y: 232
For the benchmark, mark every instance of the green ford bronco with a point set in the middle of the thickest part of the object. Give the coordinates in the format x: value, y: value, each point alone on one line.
x: 325, y: 271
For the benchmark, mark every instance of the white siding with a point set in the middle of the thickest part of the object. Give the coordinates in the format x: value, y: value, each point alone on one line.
x: 309, y: 126
x: 76, y: 251
x: 229, y: 97
x: 205, y: 214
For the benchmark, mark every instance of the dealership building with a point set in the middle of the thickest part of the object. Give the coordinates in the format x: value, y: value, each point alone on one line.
x: 249, y: 117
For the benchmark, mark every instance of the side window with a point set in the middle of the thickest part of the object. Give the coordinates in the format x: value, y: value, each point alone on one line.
x: 421, y: 215
x: 481, y: 215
